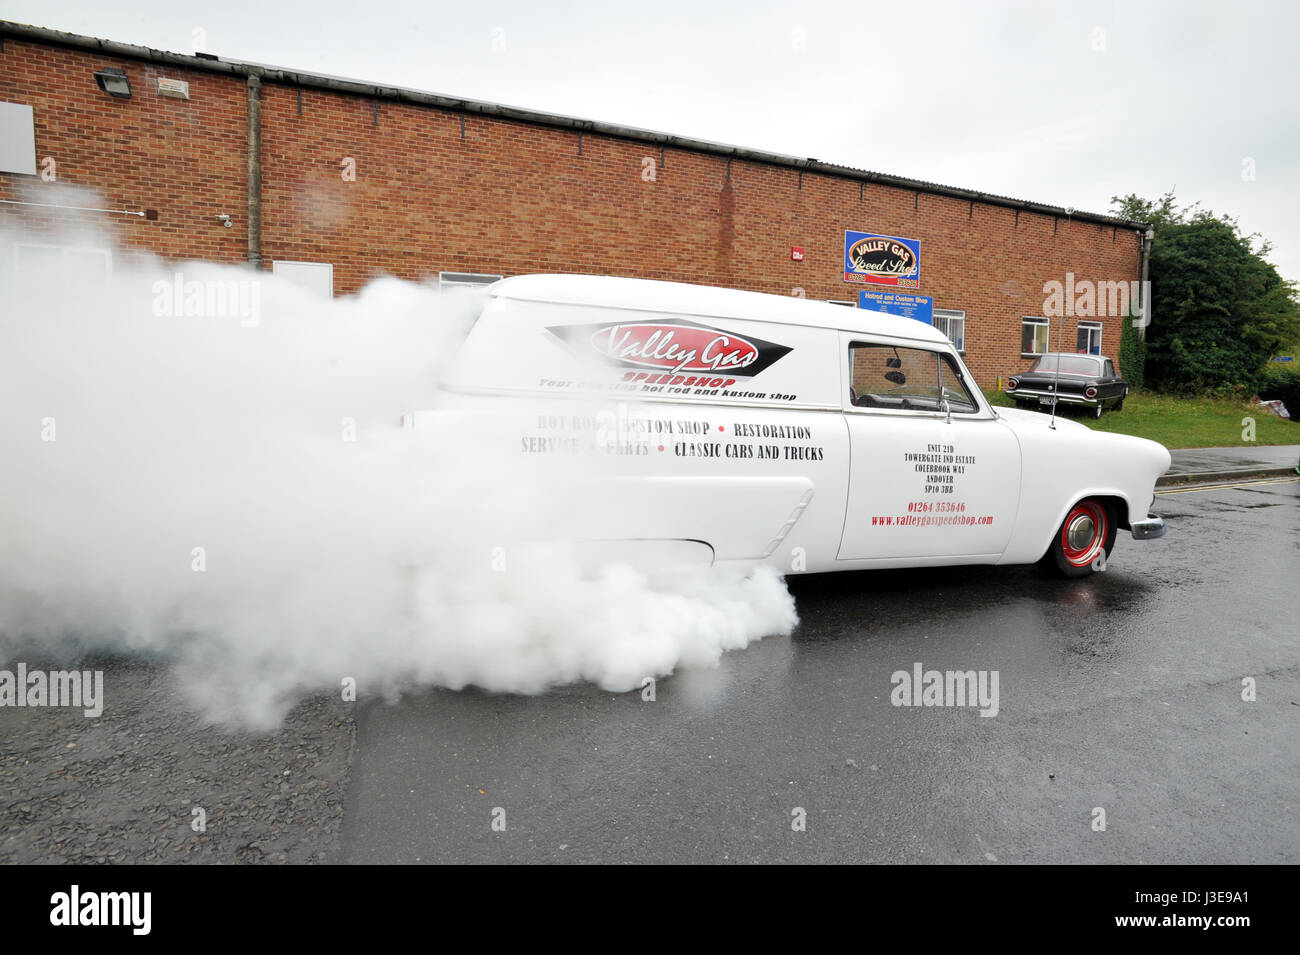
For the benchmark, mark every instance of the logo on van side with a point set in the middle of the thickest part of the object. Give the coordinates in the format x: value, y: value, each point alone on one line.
x: 675, y: 346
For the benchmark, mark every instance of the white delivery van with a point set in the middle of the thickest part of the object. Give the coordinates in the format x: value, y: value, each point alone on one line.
x: 740, y: 428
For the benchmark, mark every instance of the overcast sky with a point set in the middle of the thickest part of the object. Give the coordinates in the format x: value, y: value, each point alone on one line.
x: 1066, y: 104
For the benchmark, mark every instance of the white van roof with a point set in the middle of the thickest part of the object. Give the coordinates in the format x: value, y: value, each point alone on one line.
x: 706, y: 301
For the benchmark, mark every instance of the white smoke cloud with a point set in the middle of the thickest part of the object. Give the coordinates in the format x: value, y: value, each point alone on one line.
x: 233, y: 492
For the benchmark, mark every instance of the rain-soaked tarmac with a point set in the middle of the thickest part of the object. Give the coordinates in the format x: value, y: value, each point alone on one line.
x: 1120, y: 693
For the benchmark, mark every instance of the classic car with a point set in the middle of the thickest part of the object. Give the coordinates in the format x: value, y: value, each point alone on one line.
x: 694, y: 426
x: 1071, y: 379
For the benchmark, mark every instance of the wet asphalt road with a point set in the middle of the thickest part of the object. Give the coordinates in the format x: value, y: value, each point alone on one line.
x: 1121, y: 692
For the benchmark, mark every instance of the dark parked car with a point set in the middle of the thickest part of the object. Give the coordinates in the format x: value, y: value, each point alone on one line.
x: 1064, y: 378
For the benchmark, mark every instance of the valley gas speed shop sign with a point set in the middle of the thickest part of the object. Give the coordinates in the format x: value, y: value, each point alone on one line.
x: 872, y: 259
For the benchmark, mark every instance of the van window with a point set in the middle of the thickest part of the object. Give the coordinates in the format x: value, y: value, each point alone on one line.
x: 906, y: 379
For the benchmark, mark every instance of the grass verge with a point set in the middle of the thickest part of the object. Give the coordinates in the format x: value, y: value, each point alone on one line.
x: 1183, y: 422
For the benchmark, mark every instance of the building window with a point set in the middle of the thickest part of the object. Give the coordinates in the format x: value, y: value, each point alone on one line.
x: 317, y: 276
x: 1089, y: 338
x: 1033, y: 335
x: 465, y: 279
x: 952, y: 322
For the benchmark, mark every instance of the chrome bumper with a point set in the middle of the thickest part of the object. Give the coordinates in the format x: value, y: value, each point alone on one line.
x: 1149, y: 529
x: 1061, y: 399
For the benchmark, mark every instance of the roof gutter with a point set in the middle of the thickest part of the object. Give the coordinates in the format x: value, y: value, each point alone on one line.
x: 269, y: 74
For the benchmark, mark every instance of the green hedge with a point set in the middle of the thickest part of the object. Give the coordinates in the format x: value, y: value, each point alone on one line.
x: 1133, y: 356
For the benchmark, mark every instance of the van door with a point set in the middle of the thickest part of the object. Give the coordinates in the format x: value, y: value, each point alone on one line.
x: 933, y: 474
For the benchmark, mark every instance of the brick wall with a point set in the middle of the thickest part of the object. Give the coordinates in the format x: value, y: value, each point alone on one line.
x: 186, y: 159
x: 501, y: 196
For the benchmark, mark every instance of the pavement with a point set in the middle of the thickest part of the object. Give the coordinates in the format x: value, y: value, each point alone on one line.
x: 1198, y: 465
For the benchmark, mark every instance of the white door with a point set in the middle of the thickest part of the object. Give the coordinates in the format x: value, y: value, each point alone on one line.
x: 924, y: 482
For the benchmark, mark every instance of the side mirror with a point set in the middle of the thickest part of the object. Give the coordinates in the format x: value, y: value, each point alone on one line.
x: 896, y: 377
x: 893, y: 363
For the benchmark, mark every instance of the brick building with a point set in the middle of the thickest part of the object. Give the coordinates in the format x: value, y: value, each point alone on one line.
x: 336, y: 181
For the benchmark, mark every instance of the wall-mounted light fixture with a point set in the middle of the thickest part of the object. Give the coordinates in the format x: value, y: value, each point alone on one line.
x: 113, y: 81
x: 225, y: 221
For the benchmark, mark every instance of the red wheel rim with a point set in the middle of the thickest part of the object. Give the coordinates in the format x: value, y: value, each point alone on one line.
x: 1083, y: 535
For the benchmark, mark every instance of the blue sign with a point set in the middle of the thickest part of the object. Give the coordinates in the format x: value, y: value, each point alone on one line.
x: 919, y: 307
x: 1285, y: 358
x: 871, y: 259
